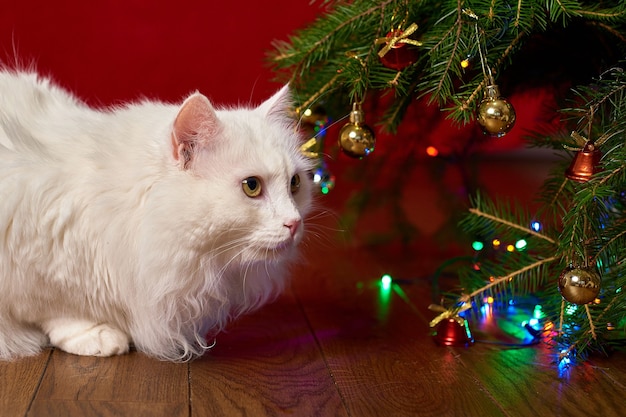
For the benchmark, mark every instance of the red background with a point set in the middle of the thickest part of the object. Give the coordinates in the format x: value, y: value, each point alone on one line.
x: 108, y: 51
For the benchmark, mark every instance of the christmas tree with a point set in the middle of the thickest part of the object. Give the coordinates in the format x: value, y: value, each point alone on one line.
x: 453, y: 54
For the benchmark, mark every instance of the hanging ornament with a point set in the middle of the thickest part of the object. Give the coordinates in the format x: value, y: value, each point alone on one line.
x: 311, y: 148
x: 579, y: 285
x: 399, y: 51
x: 357, y: 139
x: 586, y: 162
x: 496, y: 116
x: 314, y: 121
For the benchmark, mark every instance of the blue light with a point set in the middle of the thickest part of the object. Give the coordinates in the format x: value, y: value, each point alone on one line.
x: 564, y: 363
x: 535, y: 225
x: 484, y: 309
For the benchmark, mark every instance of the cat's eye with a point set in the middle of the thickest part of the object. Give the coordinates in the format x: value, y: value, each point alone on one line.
x: 295, y: 183
x: 251, y: 186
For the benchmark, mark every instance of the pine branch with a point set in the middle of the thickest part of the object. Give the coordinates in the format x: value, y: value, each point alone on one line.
x: 506, y: 278
x: 511, y: 225
x: 458, y: 26
x: 592, y: 327
x: 317, y: 95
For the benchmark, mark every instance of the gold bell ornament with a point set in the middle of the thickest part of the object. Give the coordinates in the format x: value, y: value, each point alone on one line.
x: 357, y: 139
x: 496, y: 115
x: 585, y: 163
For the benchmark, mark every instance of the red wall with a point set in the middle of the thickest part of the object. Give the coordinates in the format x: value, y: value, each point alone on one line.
x: 107, y: 51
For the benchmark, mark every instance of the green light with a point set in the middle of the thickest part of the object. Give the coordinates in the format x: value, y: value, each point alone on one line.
x: 476, y: 245
x: 325, y: 190
x: 384, y: 298
x: 521, y: 244
x: 386, y: 281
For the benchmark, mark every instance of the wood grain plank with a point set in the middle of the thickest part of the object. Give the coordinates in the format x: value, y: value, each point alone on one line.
x: 530, y: 384
x: 19, y: 380
x: 378, y: 346
x: 132, y: 384
x: 267, y: 364
x: 613, y: 367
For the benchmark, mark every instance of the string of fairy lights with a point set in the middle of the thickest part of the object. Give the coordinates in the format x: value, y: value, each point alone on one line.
x: 530, y: 325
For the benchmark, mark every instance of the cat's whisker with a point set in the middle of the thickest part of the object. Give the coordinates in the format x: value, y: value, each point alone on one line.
x: 229, y: 245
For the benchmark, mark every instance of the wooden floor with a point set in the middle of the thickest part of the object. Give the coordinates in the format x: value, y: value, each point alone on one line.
x: 335, y: 344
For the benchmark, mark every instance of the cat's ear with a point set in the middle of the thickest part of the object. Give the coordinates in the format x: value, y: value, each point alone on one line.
x: 279, y: 105
x: 194, y: 126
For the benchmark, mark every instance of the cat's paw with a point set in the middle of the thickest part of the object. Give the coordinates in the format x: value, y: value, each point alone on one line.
x: 87, y: 338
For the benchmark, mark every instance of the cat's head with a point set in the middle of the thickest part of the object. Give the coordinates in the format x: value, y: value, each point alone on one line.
x: 249, y: 163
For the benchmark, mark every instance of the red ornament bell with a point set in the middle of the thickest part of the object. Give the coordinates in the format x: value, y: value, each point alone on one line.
x: 399, y: 51
x: 399, y: 56
x: 450, y: 332
x: 585, y: 164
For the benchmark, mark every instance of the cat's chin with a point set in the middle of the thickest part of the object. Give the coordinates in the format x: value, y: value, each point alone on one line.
x: 279, y: 251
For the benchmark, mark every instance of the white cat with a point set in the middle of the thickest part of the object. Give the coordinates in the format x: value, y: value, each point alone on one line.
x: 151, y: 224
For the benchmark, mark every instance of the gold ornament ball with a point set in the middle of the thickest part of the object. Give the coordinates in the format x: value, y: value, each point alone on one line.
x: 356, y: 139
x: 579, y: 285
x: 496, y: 116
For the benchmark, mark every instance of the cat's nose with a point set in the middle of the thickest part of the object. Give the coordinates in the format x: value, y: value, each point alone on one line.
x: 293, y: 226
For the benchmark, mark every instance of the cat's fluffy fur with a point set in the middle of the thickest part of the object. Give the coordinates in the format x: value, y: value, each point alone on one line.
x: 132, y: 225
